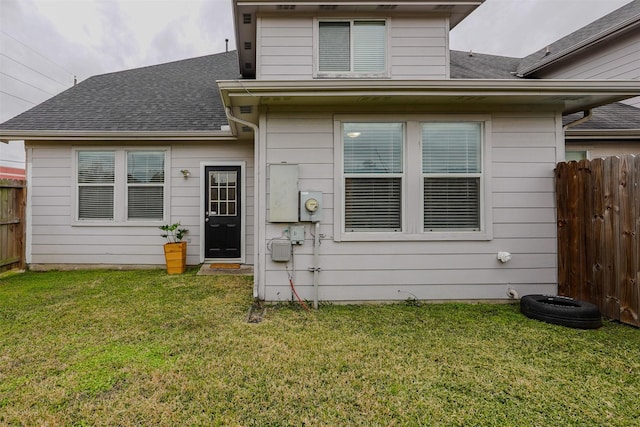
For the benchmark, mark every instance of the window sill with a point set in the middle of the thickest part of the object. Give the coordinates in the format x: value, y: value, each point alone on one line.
x: 407, y: 237
x: 149, y: 223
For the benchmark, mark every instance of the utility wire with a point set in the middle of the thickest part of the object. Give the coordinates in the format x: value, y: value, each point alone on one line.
x: 34, y: 70
x: 17, y: 97
x: 35, y: 51
x: 27, y: 83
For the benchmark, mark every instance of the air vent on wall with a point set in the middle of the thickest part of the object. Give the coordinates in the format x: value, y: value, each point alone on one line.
x: 444, y: 7
x: 248, y: 65
x: 246, y: 129
x: 247, y: 45
x: 246, y: 18
x: 246, y: 109
x: 285, y: 7
x: 327, y: 7
x: 386, y: 7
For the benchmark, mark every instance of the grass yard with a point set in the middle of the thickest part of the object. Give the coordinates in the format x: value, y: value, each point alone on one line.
x: 144, y: 348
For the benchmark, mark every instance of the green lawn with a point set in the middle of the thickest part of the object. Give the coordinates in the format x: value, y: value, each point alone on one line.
x: 144, y: 348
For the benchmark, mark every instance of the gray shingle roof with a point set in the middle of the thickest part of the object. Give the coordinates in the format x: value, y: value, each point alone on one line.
x: 612, y: 116
x: 482, y: 66
x: 176, y: 96
x: 567, y: 43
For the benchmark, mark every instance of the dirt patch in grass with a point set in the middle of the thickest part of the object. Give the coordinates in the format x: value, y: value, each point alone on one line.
x: 144, y: 348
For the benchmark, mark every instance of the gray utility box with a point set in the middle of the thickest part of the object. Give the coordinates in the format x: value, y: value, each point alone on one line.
x: 281, y: 250
x: 283, y: 192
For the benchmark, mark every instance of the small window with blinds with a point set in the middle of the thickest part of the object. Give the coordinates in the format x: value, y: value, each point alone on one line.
x: 96, y: 181
x: 145, y: 185
x: 452, y: 175
x: 373, y: 176
x: 357, y: 46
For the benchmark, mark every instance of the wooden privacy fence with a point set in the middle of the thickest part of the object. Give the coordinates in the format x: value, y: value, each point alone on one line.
x: 12, y: 224
x: 599, y: 234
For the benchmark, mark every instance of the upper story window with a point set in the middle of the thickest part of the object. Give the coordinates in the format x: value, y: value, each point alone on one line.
x: 353, y: 46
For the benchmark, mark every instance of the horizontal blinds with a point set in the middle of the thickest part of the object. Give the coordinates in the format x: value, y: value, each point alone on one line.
x: 145, y: 179
x: 334, y: 52
x: 373, y: 204
x: 451, y: 203
x: 96, y: 177
x: 372, y: 148
x: 145, y: 202
x: 95, y: 202
x: 369, y: 46
x: 451, y: 147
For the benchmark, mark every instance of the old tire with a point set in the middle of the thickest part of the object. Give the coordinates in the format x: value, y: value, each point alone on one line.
x: 561, y: 311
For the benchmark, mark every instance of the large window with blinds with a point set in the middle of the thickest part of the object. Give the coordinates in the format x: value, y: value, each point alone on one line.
x: 373, y: 176
x: 354, y: 46
x: 120, y: 185
x: 416, y: 179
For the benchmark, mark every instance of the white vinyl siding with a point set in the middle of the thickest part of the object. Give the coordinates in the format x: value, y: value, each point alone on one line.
x: 56, y: 240
x: 355, y: 46
x: 519, y: 155
x: 287, y: 48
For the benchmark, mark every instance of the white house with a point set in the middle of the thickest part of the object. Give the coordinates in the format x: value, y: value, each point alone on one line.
x: 335, y: 148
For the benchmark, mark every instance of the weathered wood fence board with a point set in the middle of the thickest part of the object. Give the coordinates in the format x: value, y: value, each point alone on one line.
x: 598, y: 205
x: 12, y: 224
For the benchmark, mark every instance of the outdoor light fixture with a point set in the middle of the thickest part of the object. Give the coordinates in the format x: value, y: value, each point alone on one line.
x: 185, y: 173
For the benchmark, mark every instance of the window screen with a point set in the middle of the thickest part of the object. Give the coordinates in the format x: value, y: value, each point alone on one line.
x: 451, y: 167
x: 96, y: 179
x: 145, y: 185
x: 373, y: 170
x: 352, y: 46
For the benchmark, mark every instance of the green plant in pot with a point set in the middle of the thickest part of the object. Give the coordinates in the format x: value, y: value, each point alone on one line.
x: 175, y: 250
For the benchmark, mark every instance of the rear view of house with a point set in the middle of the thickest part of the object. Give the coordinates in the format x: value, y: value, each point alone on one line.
x: 342, y: 147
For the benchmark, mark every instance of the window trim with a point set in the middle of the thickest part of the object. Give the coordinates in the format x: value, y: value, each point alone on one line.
x: 349, y: 74
x: 413, y: 182
x: 120, y: 187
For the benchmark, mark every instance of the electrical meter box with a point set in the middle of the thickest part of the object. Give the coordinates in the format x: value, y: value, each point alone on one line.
x: 310, y: 206
x: 283, y: 192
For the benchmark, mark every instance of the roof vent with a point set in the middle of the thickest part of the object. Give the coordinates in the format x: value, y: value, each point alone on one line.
x: 386, y: 7
x: 246, y: 18
x: 547, y: 50
x: 246, y: 109
x: 285, y: 7
x: 328, y: 7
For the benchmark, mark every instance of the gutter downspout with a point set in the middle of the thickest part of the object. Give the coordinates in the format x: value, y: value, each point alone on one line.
x: 587, y: 116
x: 256, y: 243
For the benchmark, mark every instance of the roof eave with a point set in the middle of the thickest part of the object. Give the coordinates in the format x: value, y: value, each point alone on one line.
x: 602, y: 134
x: 7, y: 135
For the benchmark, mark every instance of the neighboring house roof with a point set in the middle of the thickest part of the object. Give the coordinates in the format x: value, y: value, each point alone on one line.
x: 176, y: 96
x: 618, y: 20
x: 612, y: 116
x: 7, y: 172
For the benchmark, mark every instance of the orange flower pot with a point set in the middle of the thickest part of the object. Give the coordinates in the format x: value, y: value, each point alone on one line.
x: 175, y: 255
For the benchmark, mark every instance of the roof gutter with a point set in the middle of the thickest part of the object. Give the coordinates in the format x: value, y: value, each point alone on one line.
x: 587, y: 116
x: 71, y: 135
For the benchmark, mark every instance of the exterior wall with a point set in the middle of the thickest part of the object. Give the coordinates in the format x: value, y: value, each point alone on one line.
x: 523, y: 149
x: 417, y: 48
x: 55, y: 240
x: 596, y: 149
x: 617, y: 59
